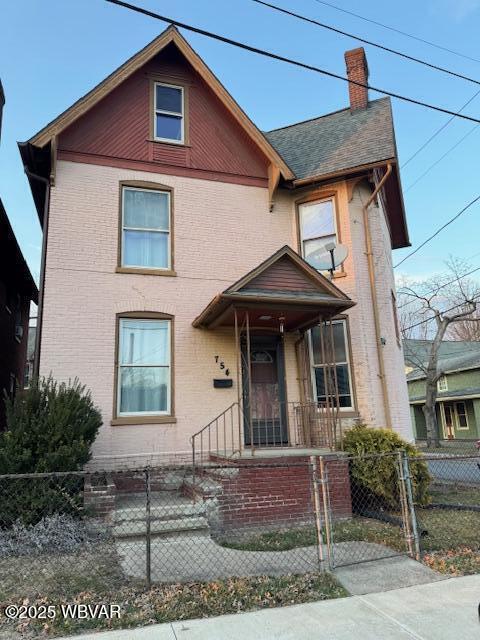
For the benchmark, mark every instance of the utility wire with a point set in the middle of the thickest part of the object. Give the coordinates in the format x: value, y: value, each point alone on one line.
x: 464, y: 275
x: 297, y: 63
x: 403, y: 33
x: 417, y: 324
x: 317, y: 23
x: 434, y: 164
x: 439, y: 130
x: 449, y: 222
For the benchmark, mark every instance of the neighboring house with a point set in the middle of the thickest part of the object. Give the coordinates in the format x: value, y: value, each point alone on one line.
x: 17, y: 289
x: 458, y: 399
x: 30, y: 364
x: 180, y: 246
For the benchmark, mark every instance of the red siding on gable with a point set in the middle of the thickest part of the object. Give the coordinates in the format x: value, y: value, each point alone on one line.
x: 283, y: 275
x: 118, y: 127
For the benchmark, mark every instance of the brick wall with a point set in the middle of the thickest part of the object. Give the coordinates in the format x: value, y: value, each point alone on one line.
x: 221, y: 232
x: 268, y: 494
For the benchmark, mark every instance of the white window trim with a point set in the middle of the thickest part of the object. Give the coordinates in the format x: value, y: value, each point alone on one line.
x: 442, y: 378
x: 167, y: 412
x: 348, y: 363
x: 300, y: 231
x: 168, y: 113
x: 457, y: 420
x: 164, y: 231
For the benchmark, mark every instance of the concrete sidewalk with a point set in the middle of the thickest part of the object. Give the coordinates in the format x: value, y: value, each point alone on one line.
x: 438, y: 611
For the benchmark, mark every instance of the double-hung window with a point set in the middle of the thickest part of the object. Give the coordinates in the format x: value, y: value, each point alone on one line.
x: 146, y: 221
x: 317, y: 229
x: 322, y: 383
x: 144, y: 367
x: 169, y: 113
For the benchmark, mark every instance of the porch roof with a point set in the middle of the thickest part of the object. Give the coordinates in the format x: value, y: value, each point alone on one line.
x: 282, y: 288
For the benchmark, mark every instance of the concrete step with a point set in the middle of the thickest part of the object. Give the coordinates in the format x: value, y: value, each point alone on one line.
x: 203, y: 486
x: 135, y: 528
x: 170, y: 511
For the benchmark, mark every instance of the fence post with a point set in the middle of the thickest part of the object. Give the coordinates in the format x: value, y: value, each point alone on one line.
x: 326, y: 511
x: 404, y: 502
x: 148, y: 532
x: 317, y: 510
x: 413, y: 515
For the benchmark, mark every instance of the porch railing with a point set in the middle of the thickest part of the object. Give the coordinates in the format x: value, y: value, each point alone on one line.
x: 241, y: 428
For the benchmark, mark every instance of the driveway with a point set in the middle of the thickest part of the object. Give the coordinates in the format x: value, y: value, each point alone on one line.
x: 455, y: 469
x: 438, y: 611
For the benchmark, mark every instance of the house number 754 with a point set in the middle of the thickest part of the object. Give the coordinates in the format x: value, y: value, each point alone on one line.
x: 222, y: 366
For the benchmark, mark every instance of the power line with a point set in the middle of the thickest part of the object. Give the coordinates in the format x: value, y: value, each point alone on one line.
x: 439, y: 130
x: 280, y: 58
x: 417, y: 324
x: 455, y: 217
x: 403, y: 33
x: 365, y: 41
x: 434, y: 164
x: 446, y: 284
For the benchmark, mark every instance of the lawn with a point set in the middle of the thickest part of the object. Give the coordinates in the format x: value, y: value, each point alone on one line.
x: 450, y: 540
x: 94, y: 576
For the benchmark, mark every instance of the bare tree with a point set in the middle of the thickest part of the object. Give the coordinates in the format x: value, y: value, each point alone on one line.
x: 440, y: 302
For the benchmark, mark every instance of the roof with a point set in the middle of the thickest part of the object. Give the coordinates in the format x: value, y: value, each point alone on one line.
x: 466, y: 392
x: 344, y: 143
x: 310, y: 295
x: 337, y: 141
x: 454, y: 356
x: 12, y: 263
x: 170, y: 36
x: 341, y: 143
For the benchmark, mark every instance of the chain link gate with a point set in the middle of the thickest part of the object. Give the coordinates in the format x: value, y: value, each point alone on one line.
x: 367, y: 530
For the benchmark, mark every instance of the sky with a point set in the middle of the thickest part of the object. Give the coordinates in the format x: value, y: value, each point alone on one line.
x: 54, y: 51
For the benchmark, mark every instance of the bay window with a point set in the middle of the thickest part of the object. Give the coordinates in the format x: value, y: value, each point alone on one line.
x: 317, y: 228
x: 340, y: 364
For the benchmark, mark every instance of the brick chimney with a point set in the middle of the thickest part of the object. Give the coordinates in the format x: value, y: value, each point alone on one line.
x: 357, y: 69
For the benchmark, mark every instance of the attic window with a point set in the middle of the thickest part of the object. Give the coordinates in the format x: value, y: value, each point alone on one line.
x: 442, y: 384
x: 169, y: 120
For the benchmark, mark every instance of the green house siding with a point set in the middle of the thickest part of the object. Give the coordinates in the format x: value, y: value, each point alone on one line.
x: 466, y: 381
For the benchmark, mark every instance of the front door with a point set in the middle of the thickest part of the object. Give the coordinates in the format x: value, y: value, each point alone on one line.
x: 264, y: 399
x: 448, y: 420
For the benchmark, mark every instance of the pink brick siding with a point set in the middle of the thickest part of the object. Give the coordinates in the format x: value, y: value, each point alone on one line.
x: 221, y: 232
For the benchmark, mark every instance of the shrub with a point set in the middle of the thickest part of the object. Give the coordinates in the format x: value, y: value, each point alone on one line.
x: 50, y: 428
x: 375, y: 478
x: 56, y: 533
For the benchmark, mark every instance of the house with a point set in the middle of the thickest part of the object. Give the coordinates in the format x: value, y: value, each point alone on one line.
x: 458, y: 389
x: 17, y: 289
x: 183, y: 271
x: 30, y: 363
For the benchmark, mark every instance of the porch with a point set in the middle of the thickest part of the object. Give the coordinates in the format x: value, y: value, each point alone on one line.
x: 280, y: 300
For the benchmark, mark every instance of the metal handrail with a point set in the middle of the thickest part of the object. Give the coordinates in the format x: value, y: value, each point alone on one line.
x: 303, y: 423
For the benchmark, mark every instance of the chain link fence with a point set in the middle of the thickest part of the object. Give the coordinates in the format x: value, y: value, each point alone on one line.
x: 250, y: 521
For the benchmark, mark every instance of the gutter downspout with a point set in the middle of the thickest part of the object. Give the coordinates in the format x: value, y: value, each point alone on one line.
x: 373, y: 289
x: 46, y: 207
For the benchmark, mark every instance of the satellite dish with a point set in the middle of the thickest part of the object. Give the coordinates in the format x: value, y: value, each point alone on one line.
x: 328, y: 257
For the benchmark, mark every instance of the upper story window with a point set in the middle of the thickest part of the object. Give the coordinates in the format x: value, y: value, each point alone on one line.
x: 146, y: 233
x: 169, y: 113
x: 442, y: 384
x: 317, y: 228
x: 339, y: 369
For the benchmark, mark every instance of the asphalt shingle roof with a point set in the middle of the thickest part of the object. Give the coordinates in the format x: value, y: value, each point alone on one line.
x: 453, y: 356
x: 337, y: 141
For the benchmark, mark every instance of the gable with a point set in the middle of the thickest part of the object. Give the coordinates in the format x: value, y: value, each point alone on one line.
x: 119, y: 125
x: 283, y: 275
